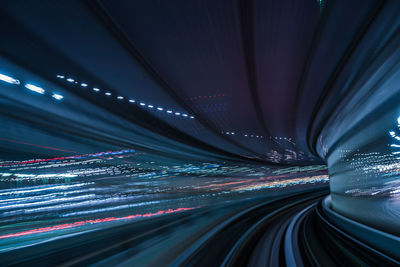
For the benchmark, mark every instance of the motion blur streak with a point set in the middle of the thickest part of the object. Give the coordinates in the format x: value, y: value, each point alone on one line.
x: 200, y: 133
x: 76, y: 224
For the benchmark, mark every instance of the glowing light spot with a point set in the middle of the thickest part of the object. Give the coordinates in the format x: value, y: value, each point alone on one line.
x: 132, y: 100
x: 84, y: 84
x: 142, y: 104
x: 61, y: 76
x: 160, y: 108
x: 150, y: 106
x: 57, y: 96
x: 169, y: 111
x: 70, y: 80
x: 120, y: 97
x: 35, y: 88
x: 108, y: 93
x: 8, y: 79
x: 96, y: 89
x: 184, y: 115
x: 177, y: 113
x: 191, y: 117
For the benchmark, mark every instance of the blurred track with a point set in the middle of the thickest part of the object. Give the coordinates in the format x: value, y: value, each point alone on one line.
x: 283, y: 231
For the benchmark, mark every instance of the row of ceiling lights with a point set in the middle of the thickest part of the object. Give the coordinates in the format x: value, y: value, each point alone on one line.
x: 260, y: 136
x: 245, y: 135
x: 119, y: 97
x: 29, y: 86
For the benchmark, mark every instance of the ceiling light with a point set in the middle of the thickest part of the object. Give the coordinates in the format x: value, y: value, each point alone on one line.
x: 8, y: 79
x: 57, y: 96
x: 35, y: 88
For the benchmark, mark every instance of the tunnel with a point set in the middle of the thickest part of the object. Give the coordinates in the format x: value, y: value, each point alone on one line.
x: 200, y: 133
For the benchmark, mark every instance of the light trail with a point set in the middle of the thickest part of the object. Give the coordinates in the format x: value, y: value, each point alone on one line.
x: 81, y: 223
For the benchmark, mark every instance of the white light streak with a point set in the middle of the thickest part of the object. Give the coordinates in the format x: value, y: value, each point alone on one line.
x: 35, y: 88
x: 8, y: 79
x: 57, y: 96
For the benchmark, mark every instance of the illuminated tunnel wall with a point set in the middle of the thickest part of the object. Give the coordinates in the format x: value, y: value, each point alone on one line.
x: 361, y: 139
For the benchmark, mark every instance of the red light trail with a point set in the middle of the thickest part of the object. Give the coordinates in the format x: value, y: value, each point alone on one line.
x: 81, y: 223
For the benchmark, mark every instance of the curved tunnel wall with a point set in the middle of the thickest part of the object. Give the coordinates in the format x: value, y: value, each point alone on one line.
x: 361, y: 139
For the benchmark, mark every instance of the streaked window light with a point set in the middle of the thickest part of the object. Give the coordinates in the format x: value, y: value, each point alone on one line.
x: 150, y: 106
x: 120, y: 97
x: 142, y: 104
x: 184, y: 115
x: 108, y: 93
x: 132, y: 100
x: 57, y: 96
x: 177, y: 113
x: 160, y: 108
x: 96, y: 89
x: 84, y: 84
x: 169, y: 111
x: 70, y: 80
x: 35, y: 88
x: 8, y: 79
x: 61, y: 76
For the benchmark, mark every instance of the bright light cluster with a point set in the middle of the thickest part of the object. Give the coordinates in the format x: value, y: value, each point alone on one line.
x: 396, y: 137
x: 119, y: 97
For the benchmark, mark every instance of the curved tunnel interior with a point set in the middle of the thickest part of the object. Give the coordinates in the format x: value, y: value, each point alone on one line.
x: 116, y: 111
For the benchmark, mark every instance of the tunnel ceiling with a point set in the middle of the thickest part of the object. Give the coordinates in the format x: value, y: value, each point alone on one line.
x: 238, y: 79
